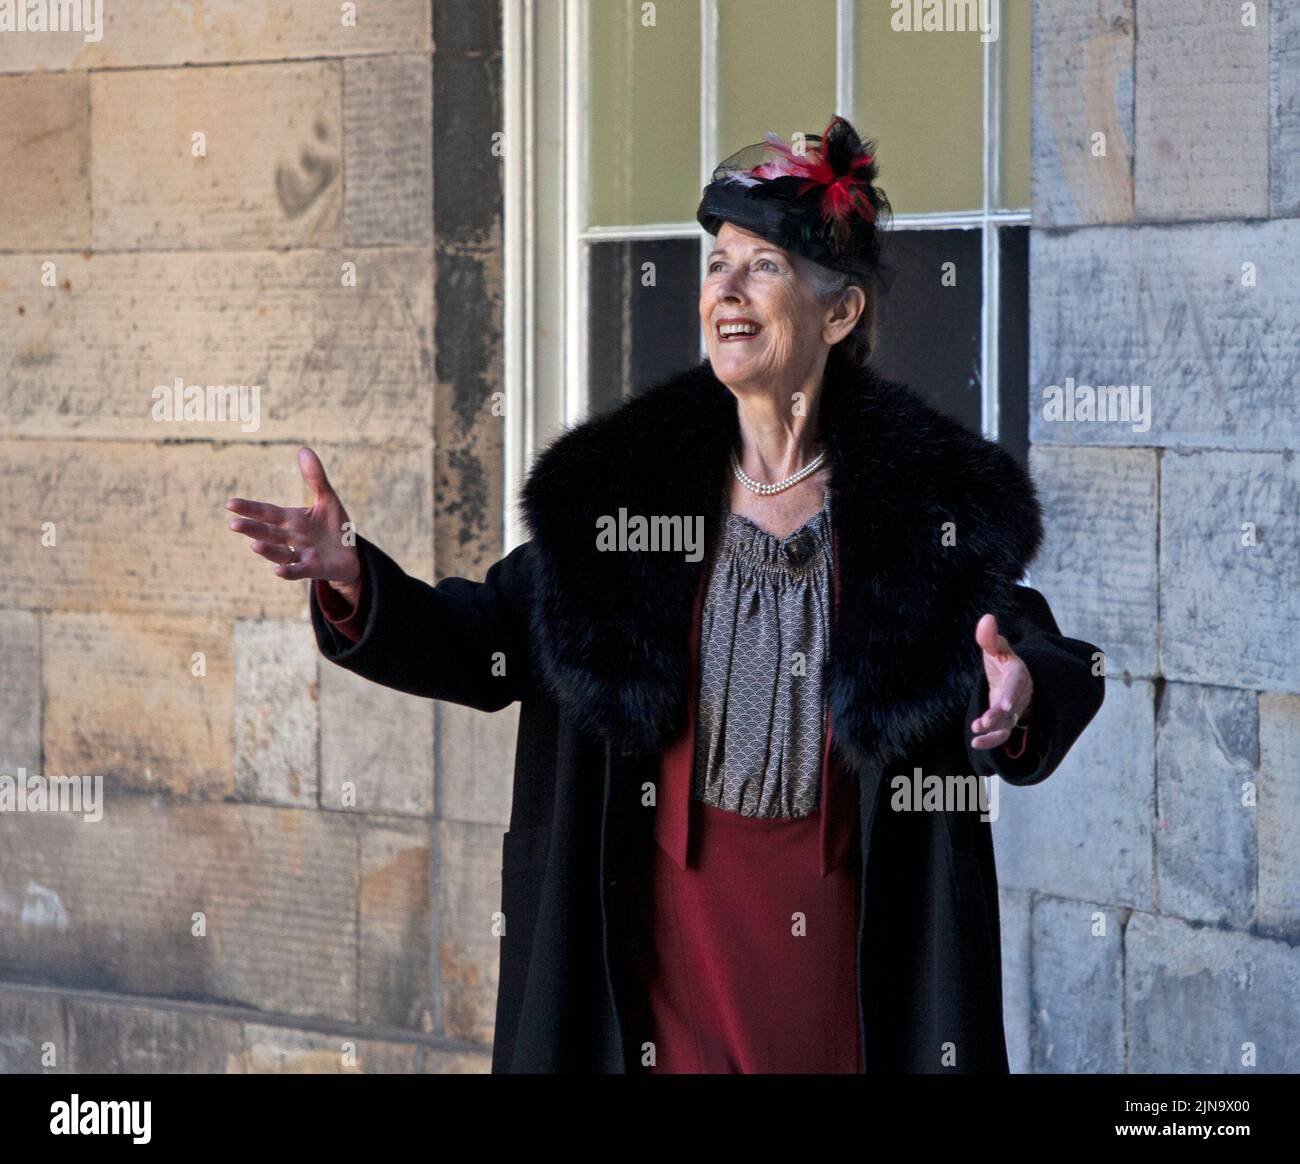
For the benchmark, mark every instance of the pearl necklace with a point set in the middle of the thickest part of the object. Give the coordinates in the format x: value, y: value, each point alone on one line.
x: 758, y: 487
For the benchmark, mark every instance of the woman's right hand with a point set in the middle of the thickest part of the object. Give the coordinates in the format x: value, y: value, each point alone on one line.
x: 304, y: 542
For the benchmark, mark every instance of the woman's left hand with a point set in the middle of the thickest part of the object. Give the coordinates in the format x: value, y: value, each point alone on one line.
x: 1011, y: 687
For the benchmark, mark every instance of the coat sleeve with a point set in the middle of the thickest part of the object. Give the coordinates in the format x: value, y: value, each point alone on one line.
x: 1067, y: 693
x: 461, y: 641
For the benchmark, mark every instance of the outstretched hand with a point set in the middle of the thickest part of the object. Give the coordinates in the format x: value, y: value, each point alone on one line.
x: 1011, y: 687
x: 304, y: 542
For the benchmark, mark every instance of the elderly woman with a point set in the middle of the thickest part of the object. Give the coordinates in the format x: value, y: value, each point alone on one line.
x: 737, y: 841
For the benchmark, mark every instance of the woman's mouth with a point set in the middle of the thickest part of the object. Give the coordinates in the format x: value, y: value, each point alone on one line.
x: 737, y: 330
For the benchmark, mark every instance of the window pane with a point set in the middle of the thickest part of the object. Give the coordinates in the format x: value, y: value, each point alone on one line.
x: 776, y: 70
x: 1013, y: 342
x: 921, y: 94
x: 640, y: 333
x: 643, y: 111
x: 1014, y: 45
x: 928, y: 333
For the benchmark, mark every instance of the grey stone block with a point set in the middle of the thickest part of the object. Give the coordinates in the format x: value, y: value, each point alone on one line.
x: 1082, y: 86
x: 1284, y: 101
x: 1229, y: 612
x: 1202, y: 111
x: 33, y: 1035
x: 1167, y: 309
x: 1013, y: 911
x: 1085, y: 832
x: 1279, y: 813
x: 1078, y: 987
x: 1201, y: 1000
x: 1098, y: 564
x: 1206, y: 751
x: 277, y: 712
x: 475, y: 759
x: 388, y: 139
x: 377, y: 739
x: 20, y: 693
x: 108, y: 1038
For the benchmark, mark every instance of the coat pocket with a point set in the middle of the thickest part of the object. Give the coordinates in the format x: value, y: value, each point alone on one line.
x: 525, y: 848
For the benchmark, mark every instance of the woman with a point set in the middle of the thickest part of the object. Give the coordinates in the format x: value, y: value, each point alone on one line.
x: 718, y: 858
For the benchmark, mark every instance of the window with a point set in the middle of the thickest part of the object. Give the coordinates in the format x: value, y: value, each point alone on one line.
x: 617, y: 112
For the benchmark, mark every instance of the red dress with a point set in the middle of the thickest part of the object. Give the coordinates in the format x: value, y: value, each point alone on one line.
x: 751, y: 965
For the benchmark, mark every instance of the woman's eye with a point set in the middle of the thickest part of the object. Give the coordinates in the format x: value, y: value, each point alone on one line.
x: 768, y: 263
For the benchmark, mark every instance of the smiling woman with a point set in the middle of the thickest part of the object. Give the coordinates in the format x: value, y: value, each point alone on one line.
x: 706, y: 736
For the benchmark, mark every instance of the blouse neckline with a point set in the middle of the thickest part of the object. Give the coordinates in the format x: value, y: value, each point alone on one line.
x: 732, y: 515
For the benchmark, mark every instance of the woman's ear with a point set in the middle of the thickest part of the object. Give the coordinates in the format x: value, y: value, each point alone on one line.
x: 844, y: 315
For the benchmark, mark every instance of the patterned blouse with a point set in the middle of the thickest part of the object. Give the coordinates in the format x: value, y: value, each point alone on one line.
x: 764, y: 635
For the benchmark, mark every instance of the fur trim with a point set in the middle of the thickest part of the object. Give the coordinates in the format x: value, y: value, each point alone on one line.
x: 613, y: 628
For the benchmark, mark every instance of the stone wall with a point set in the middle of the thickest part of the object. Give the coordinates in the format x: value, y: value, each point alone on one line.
x: 306, y: 243
x: 1151, y: 887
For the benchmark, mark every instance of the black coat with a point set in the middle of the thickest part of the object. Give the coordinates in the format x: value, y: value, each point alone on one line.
x: 935, y: 526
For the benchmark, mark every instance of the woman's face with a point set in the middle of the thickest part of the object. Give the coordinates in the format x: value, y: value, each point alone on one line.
x: 761, y: 317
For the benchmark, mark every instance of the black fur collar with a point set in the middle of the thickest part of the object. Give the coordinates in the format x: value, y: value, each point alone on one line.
x: 613, y: 628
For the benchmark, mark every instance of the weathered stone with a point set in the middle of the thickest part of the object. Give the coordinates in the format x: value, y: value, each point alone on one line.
x: 456, y: 1063
x: 1202, y: 110
x: 476, y: 763
x: 44, y: 163
x: 1206, y: 752
x: 377, y: 744
x: 1279, y: 813
x: 1229, y: 613
x: 1097, y: 567
x: 286, y: 1051
x: 1284, y: 101
x: 113, y: 1039
x: 1017, y: 1002
x: 20, y: 692
x: 1085, y: 832
x: 330, y: 362
x: 396, y: 925
x: 109, y: 557
x: 1168, y: 310
x: 277, y: 712
x: 388, y: 139
x: 470, y: 414
x: 178, y: 32
x: 142, y: 702
x: 270, y: 170
x: 33, y: 1034
x: 111, y: 905
x: 1078, y: 987
x: 1082, y: 87
x: 1203, y: 1000
x: 469, y: 885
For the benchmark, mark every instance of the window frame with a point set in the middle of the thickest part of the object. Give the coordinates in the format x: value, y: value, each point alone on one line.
x: 546, y: 247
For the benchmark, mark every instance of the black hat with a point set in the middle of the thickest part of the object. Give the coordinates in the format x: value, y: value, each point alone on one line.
x: 818, y: 199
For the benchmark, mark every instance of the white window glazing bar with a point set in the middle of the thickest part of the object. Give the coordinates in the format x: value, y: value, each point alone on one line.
x: 845, y: 44
x: 575, y: 204
x: 519, y: 315
x: 990, y: 410
x: 708, y: 124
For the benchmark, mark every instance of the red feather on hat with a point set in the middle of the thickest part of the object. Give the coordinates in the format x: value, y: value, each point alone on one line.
x: 845, y: 192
